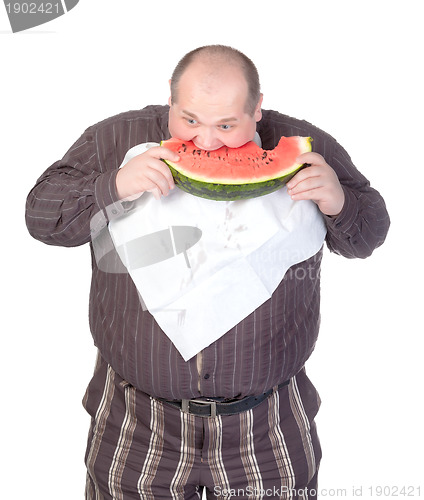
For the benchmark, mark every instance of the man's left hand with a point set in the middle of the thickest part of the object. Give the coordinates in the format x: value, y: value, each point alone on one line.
x: 319, y: 183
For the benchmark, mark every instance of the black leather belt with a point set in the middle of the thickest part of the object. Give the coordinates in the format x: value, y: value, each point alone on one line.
x: 213, y: 407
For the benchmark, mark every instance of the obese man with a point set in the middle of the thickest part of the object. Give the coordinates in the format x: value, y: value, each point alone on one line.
x: 237, y: 418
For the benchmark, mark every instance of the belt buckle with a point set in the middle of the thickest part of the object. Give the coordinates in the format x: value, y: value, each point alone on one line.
x: 185, y: 405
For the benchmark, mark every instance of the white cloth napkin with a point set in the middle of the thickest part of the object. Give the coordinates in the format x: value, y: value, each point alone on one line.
x: 202, y: 266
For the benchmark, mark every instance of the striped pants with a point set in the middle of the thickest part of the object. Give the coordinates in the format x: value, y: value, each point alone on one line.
x: 142, y: 448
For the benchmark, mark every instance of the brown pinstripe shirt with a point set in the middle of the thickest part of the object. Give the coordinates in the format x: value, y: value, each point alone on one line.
x: 267, y: 347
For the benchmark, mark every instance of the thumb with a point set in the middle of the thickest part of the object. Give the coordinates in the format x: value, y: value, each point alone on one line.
x: 162, y: 153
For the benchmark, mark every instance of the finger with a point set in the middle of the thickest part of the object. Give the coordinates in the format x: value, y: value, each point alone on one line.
x: 302, y: 175
x: 155, y: 192
x: 310, y: 194
x: 164, y: 171
x: 312, y: 158
x: 163, y: 181
x: 310, y: 184
x: 162, y: 153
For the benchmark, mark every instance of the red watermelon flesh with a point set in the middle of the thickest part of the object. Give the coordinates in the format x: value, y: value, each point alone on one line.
x: 235, y: 173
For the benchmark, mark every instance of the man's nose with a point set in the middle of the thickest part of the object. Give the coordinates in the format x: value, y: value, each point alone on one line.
x: 207, y: 139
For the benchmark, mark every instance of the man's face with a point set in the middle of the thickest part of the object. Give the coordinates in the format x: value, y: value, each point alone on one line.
x: 210, y: 108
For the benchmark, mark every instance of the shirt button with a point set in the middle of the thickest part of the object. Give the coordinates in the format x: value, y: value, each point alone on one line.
x: 206, y: 376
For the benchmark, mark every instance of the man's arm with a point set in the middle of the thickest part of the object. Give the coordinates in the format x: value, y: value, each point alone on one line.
x: 79, y: 194
x: 69, y: 193
x: 355, y: 214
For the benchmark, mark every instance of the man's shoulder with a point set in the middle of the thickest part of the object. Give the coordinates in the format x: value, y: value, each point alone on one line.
x: 112, y: 137
x: 155, y: 113
x: 295, y: 126
x: 274, y: 125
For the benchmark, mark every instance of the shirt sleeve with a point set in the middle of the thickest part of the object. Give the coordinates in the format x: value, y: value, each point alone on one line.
x: 70, y: 193
x: 363, y: 223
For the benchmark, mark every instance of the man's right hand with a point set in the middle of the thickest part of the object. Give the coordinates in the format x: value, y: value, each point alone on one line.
x: 146, y: 172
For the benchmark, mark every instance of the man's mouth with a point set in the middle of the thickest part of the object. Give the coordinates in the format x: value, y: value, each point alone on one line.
x: 208, y: 149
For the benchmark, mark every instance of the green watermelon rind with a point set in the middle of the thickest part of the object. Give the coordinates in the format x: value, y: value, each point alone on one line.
x: 228, y: 192
x: 224, y: 191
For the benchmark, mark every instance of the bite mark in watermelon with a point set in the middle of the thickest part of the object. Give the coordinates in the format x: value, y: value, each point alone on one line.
x: 235, y: 173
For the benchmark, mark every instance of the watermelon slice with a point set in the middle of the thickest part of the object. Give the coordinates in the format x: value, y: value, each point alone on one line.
x: 235, y: 173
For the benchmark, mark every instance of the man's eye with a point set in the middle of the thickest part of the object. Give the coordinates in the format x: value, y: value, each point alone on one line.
x: 191, y: 121
x: 225, y: 127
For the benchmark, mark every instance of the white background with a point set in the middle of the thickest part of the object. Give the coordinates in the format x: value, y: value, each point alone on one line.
x: 353, y: 69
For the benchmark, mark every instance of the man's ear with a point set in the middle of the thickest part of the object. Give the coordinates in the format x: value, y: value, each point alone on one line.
x: 170, y: 95
x: 258, y: 110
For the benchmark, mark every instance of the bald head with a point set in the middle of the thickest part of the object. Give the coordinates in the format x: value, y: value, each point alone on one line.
x: 214, y: 63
